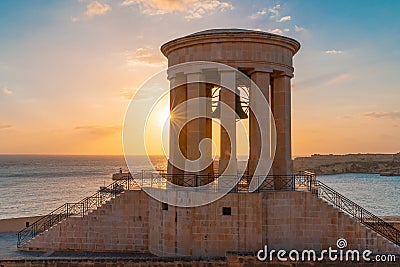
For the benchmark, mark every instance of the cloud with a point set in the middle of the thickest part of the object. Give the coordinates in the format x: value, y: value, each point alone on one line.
x: 5, y: 126
x: 97, y: 8
x: 127, y: 93
x: 276, y: 31
x: 98, y: 130
x: 193, y: 9
x: 272, y: 11
x: 145, y: 55
x: 299, y: 29
x: 383, y: 115
x: 333, y: 52
x: 285, y: 18
x: 200, y: 9
x: 259, y: 13
x: 74, y: 19
x: 128, y: 2
x: 7, y: 91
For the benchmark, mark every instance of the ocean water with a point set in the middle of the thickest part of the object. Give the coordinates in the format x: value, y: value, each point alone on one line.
x: 36, y: 185
x: 33, y: 185
x: 378, y: 194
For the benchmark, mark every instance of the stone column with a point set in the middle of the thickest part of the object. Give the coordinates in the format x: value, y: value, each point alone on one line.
x: 262, y: 80
x: 210, y: 169
x: 228, y: 161
x: 281, y: 108
x: 197, y: 129
x: 177, y: 140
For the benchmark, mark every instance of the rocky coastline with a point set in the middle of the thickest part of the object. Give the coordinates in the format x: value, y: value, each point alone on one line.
x: 384, y: 164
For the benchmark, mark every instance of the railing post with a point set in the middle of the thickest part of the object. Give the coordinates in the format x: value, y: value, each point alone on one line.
x: 235, y: 177
x: 67, y: 211
x: 293, y: 182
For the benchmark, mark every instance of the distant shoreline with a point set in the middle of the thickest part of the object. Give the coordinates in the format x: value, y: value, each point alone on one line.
x: 384, y: 164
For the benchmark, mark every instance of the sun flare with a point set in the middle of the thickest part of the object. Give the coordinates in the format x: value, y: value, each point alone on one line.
x: 164, y: 115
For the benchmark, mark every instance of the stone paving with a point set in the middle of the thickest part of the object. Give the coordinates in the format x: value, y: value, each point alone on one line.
x: 8, y: 247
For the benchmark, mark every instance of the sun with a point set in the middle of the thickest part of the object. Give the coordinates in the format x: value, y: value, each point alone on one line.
x: 164, y: 115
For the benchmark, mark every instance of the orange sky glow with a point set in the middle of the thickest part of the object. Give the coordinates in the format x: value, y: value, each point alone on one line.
x: 67, y: 76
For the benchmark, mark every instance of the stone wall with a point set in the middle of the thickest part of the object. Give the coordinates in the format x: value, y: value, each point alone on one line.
x: 134, y: 222
x: 205, y: 230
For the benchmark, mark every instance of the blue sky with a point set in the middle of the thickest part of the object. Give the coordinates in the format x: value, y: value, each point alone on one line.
x: 68, y: 68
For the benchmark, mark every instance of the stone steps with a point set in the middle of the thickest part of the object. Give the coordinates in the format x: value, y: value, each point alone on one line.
x: 374, y: 237
x: 107, y: 206
x: 100, y: 230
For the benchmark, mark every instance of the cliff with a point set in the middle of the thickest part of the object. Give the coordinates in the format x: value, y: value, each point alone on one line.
x: 350, y: 163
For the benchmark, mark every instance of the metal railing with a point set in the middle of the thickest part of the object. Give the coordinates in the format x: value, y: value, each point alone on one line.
x: 238, y: 183
x: 356, y: 211
x: 78, y: 209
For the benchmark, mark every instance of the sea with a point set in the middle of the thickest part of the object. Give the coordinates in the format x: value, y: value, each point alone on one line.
x: 32, y: 185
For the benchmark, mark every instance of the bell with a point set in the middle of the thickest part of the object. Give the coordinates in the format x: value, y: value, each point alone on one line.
x: 241, y: 114
x: 217, y: 112
x: 238, y: 108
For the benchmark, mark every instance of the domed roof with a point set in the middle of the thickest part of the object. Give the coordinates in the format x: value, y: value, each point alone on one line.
x: 222, y: 35
x: 232, y: 30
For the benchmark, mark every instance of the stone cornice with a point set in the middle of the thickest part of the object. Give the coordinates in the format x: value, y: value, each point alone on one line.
x: 230, y: 35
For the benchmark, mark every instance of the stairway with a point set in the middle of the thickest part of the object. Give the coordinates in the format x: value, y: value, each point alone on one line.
x: 75, y: 210
x: 345, y: 205
x: 373, y: 239
x: 115, y: 226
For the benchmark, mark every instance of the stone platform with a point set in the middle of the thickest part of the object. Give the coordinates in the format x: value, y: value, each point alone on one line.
x: 135, y: 222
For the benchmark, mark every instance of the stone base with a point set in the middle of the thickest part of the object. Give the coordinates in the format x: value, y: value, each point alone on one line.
x: 134, y: 222
x: 230, y: 260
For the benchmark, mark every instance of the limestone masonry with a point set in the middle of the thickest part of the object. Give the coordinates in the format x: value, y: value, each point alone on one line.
x: 134, y: 222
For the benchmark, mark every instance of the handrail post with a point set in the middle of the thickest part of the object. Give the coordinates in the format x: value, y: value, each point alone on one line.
x: 294, y: 182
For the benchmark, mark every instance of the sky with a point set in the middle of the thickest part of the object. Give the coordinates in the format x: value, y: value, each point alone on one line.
x: 69, y: 68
